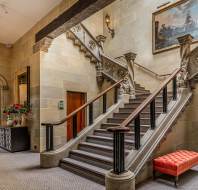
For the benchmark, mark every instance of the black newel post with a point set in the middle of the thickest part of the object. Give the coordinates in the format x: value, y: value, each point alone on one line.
x: 118, y: 149
x: 74, y: 126
x: 49, y: 138
x: 116, y: 95
x: 165, y: 103
x: 175, y: 88
x: 152, y: 114
x: 137, y: 132
x: 104, y: 103
x: 91, y: 114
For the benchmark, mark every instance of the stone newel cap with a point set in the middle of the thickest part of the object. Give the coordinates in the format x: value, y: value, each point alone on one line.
x: 101, y: 38
x: 188, y: 38
x: 130, y: 56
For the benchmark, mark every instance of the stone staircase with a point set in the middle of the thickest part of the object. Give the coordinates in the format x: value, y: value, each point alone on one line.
x: 94, y: 156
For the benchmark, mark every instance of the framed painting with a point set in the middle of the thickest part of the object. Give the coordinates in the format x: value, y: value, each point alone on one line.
x: 173, y: 21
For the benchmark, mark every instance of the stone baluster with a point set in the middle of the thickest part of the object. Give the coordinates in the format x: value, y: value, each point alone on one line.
x: 185, y: 44
x: 99, y: 76
x: 101, y: 40
x: 129, y: 84
x: 99, y: 68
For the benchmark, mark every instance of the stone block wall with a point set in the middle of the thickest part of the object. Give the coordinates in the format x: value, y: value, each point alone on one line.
x: 64, y: 68
x: 4, y: 72
x: 132, y: 21
x: 22, y: 56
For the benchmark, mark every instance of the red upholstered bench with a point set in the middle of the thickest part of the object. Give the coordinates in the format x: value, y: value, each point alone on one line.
x: 176, y: 163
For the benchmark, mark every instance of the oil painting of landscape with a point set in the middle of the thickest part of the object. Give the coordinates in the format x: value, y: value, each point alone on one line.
x: 172, y: 22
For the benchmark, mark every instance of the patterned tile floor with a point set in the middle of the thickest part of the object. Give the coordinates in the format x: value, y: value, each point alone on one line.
x: 187, y: 181
x: 21, y: 171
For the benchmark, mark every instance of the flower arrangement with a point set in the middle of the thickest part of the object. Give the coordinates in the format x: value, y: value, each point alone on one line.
x: 16, y: 114
x: 16, y: 109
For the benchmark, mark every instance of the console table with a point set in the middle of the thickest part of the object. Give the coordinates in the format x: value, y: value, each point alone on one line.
x: 14, y: 139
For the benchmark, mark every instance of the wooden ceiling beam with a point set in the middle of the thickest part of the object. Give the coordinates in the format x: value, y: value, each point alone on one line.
x: 72, y: 16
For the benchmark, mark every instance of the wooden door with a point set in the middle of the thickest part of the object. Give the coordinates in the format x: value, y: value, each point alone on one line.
x: 74, y: 101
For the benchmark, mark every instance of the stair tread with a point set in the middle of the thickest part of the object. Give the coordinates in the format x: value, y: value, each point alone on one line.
x: 84, y: 165
x: 131, y: 112
x: 108, y: 138
x: 96, y: 145
x: 117, y: 124
x: 117, y: 118
x: 93, y: 155
x: 130, y: 132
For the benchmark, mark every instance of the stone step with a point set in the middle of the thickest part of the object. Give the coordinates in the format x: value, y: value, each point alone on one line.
x: 99, y: 149
x: 88, y: 171
x: 77, y: 42
x: 83, y: 49
x: 93, y: 60
x: 140, y: 100
x: 135, y: 104
x: 104, y: 133
x: 142, y: 95
x: 124, y: 115
x: 141, y: 91
x: 143, y: 128
x: 91, y: 158
x: 88, y: 55
x: 108, y: 141
x: 129, y: 109
x: 143, y: 121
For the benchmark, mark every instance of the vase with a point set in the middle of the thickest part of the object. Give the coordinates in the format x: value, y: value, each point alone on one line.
x: 9, y: 122
x: 23, y: 120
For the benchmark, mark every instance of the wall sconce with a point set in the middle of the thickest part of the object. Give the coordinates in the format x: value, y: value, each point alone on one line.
x: 108, y: 22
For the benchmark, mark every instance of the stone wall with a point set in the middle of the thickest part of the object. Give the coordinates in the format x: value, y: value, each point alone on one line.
x: 22, y: 56
x: 132, y: 21
x: 64, y: 68
x: 5, y: 59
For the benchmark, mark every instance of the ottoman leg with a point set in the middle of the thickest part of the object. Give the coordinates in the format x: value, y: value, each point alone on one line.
x: 154, y: 174
x: 176, y: 181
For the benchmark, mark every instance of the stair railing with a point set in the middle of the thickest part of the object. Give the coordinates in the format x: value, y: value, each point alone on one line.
x: 160, y: 76
x: 118, y: 132
x: 105, y: 66
x: 87, y: 39
x: 73, y: 115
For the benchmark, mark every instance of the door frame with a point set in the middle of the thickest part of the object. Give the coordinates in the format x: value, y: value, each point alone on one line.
x: 66, y: 104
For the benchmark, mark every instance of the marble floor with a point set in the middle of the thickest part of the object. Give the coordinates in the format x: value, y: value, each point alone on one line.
x: 21, y: 171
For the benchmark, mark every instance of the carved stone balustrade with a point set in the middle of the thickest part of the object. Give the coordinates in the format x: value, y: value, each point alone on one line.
x: 130, y: 59
x: 113, y: 69
x: 185, y: 43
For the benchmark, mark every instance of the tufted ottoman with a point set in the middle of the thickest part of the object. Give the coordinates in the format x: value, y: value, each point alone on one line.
x: 176, y: 163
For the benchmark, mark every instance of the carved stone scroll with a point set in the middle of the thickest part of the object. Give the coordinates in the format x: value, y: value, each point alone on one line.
x: 185, y: 43
x: 130, y: 58
x: 43, y: 45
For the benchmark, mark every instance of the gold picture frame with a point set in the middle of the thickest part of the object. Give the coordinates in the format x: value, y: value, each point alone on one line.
x: 172, y: 21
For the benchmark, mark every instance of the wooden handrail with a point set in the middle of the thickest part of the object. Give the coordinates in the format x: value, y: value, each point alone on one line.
x: 148, y: 100
x: 156, y: 74
x: 148, y: 70
x: 84, y: 106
